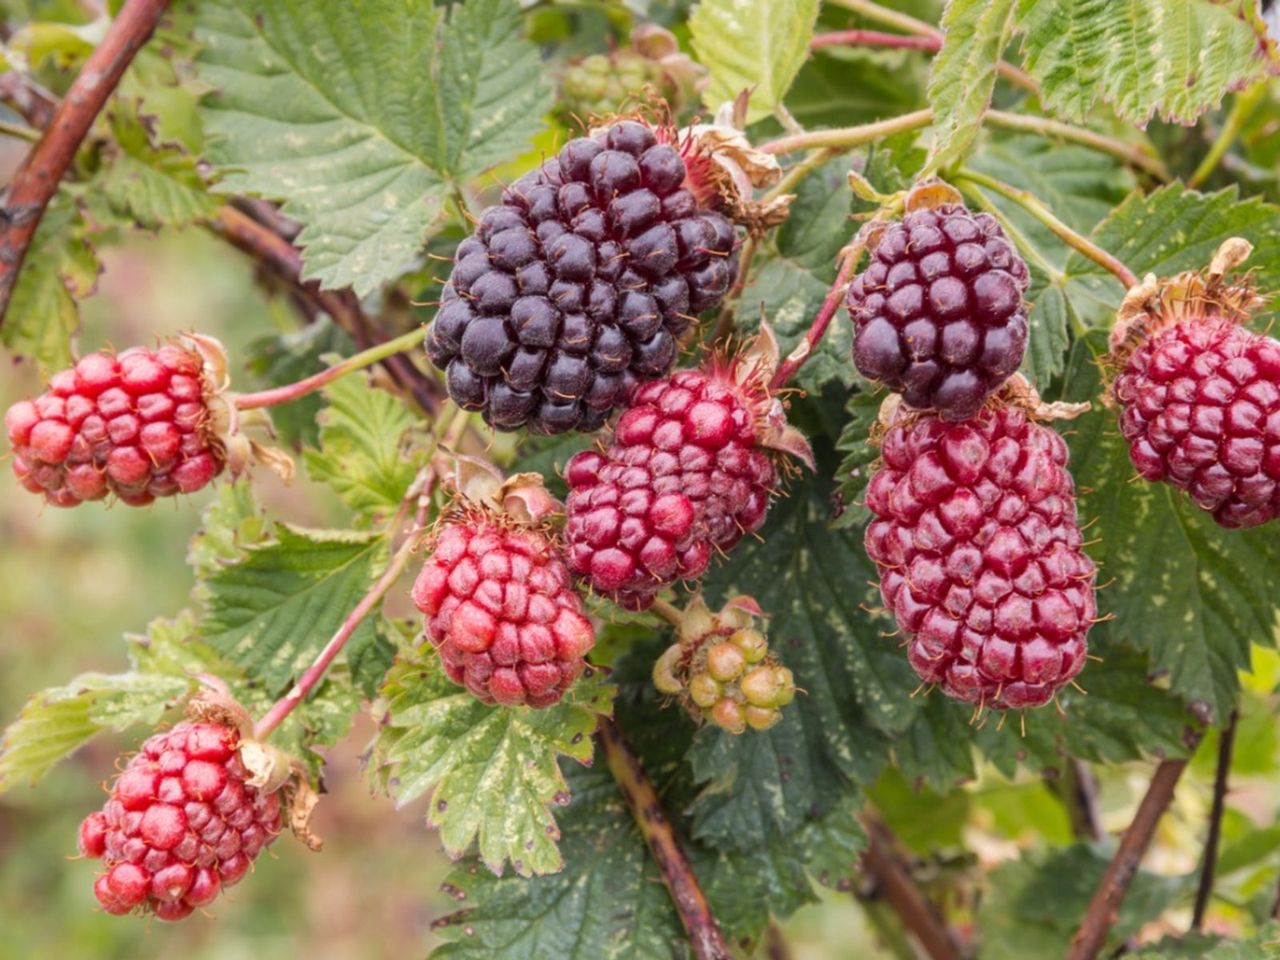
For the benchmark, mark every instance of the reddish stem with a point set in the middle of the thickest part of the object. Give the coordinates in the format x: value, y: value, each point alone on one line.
x: 37, y: 179
x: 900, y: 891
x: 1105, y: 905
x: 315, y: 673
x: 874, y: 38
x: 1204, y: 890
x: 818, y: 329
x: 642, y: 800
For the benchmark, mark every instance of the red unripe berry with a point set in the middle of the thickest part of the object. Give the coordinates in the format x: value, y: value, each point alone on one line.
x: 136, y: 425
x: 685, y: 475
x: 499, y: 605
x: 181, y: 823
x: 979, y: 553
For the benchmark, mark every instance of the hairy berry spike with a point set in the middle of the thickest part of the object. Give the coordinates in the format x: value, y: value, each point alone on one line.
x: 580, y: 283
x: 687, y: 474
x: 978, y: 549
x: 182, y: 823
x: 135, y: 424
x: 1200, y: 393
x: 938, y: 313
x: 499, y: 605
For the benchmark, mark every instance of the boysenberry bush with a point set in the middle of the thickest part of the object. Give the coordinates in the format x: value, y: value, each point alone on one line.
x: 766, y: 475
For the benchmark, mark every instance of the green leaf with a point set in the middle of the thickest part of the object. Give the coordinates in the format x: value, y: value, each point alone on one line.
x: 751, y: 44
x: 369, y: 657
x: 1033, y: 905
x: 61, y: 267
x: 273, y: 612
x: 963, y: 75
x: 56, y: 722
x: 493, y: 769
x: 1186, y: 591
x: 152, y: 185
x: 1175, y: 57
x: 608, y: 903
x: 362, y: 116
x: 229, y: 525
x: 1200, y: 946
x: 860, y: 456
x: 794, y: 276
x: 362, y: 454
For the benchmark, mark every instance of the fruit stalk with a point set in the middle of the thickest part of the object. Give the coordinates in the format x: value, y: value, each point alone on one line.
x: 1105, y: 905
x: 821, y: 322
x: 1205, y: 889
x: 846, y: 138
x: 1032, y: 204
x: 37, y: 180
x: 642, y: 800
x: 314, y: 673
x: 293, y: 391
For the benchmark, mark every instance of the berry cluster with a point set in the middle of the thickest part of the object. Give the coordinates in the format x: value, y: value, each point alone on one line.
x: 721, y: 669
x: 1201, y: 410
x: 979, y: 554
x: 500, y: 607
x: 579, y: 284
x: 182, y: 823
x: 685, y: 475
x: 136, y: 425
x: 938, y: 313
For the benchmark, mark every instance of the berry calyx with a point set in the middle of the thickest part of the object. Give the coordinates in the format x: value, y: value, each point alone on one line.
x: 499, y: 605
x: 184, y: 821
x: 687, y: 474
x: 137, y: 425
x: 938, y: 313
x: 721, y: 670
x: 1200, y: 393
x: 978, y: 548
x: 579, y: 285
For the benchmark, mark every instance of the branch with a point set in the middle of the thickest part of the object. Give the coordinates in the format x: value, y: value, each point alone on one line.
x: 874, y: 38
x: 1105, y: 905
x: 900, y: 891
x: 637, y: 790
x: 1246, y: 101
x: 821, y: 322
x: 280, y: 258
x: 1131, y: 153
x: 37, y: 179
x: 1033, y: 205
x: 1205, y: 890
x: 1077, y: 789
x: 315, y: 673
x: 846, y: 138
x: 925, y: 33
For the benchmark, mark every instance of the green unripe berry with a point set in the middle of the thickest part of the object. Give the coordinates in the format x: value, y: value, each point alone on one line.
x: 752, y: 643
x: 768, y: 686
x: 761, y: 718
x: 725, y: 662
x: 729, y: 715
x: 704, y: 691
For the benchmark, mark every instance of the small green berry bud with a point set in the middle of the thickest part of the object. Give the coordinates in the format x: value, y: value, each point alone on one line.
x: 704, y: 691
x: 768, y: 686
x: 752, y: 643
x: 725, y: 662
x: 729, y: 715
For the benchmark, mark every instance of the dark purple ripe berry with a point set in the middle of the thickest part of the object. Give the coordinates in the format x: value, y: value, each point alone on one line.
x: 938, y: 313
x: 579, y: 284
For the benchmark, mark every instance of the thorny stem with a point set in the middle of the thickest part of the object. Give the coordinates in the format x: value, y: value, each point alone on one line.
x: 1205, y: 889
x: 1032, y: 205
x: 315, y: 673
x: 642, y: 800
x: 895, y: 884
x: 37, y: 180
x: 293, y: 391
x: 1105, y: 905
x: 918, y: 28
x: 283, y: 260
x: 873, y: 38
x: 1245, y: 103
x: 821, y: 323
